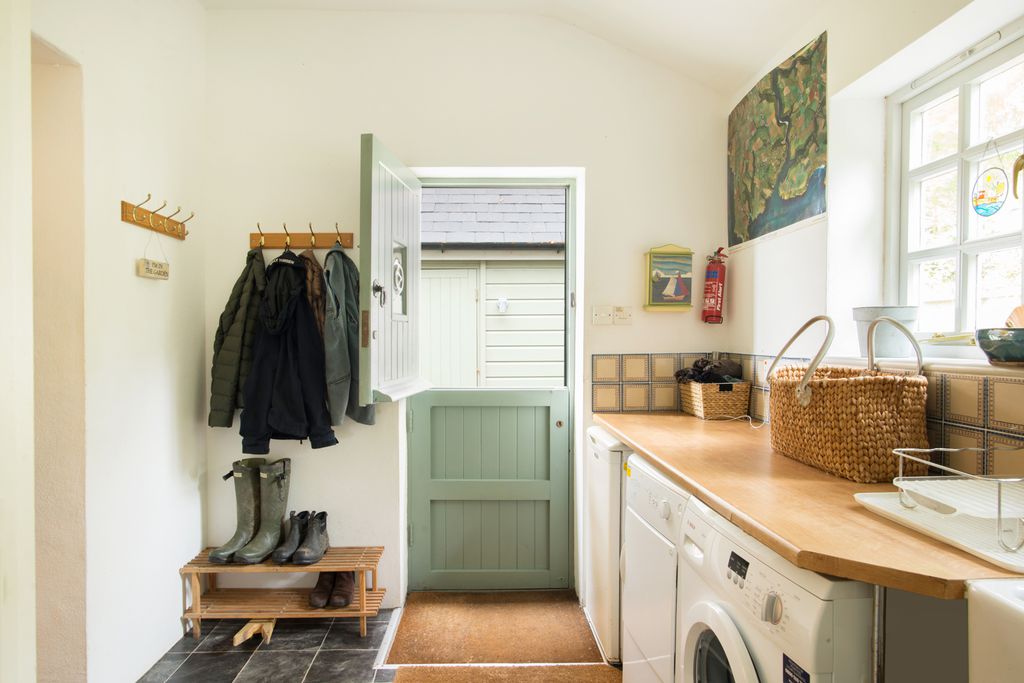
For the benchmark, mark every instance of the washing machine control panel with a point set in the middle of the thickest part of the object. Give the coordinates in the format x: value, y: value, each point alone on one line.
x: 767, y: 598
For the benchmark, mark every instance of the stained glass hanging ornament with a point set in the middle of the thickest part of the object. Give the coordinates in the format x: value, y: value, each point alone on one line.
x: 990, y: 187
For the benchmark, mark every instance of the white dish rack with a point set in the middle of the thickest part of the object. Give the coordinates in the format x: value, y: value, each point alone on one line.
x: 983, y: 515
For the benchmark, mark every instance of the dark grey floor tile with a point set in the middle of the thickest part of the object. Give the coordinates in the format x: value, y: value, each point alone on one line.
x: 211, y: 667
x: 382, y: 615
x: 275, y: 667
x: 220, y: 638
x: 187, y: 643
x: 385, y: 675
x: 342, y: 666
x: 344, y: 635
x: 297, y: 634
x: 163, y: 669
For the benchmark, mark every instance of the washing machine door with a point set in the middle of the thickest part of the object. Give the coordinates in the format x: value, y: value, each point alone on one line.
x: 713, y: 649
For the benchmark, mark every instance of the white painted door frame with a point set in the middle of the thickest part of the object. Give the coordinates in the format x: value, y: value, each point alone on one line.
x: 575, y: 178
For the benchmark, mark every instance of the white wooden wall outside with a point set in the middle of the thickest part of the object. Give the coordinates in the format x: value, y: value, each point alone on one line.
x: 525, y: 345
x: 449, y: 349
x: 465, y: 330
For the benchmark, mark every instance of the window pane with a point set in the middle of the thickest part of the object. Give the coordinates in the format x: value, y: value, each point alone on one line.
x: 1008, y: 218
x: 999, y: 282
x: 939, y: 128
x: 933, y: 289
x: 936, y: 215
x: 1002, y: 103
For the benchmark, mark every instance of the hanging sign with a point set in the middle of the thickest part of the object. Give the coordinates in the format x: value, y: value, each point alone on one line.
x: 154, y: 270
x: 989, y: 192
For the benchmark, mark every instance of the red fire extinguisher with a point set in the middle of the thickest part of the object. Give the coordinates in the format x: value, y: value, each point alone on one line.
x: 714, y: 288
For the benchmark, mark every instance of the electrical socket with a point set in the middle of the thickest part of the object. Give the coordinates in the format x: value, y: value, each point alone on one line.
x: 602, y: 315
x: 623, y: 315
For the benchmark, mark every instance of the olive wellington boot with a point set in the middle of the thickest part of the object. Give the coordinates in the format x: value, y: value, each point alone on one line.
x: 246, y: 474
x: 274, y: 480
x: 296, y: 530
x: 314, y: 545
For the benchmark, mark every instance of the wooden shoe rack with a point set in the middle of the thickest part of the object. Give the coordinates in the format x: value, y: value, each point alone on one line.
x: 267, y: 604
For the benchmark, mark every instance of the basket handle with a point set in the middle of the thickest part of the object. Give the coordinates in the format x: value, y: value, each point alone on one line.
x: 902, y: 328
x: 803, y: 391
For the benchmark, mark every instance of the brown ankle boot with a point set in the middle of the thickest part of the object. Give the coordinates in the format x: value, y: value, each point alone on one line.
x: 322, y: 591
x: 344, y: 589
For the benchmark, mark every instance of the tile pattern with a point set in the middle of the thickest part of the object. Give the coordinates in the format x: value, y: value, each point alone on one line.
x: 636, y: 397
x: 636, y: 367
x: 977, y: 411
x: 637, y: 382
x: 308, y: 650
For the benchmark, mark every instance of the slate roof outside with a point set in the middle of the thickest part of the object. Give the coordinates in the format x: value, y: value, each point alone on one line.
x: 487, y: 216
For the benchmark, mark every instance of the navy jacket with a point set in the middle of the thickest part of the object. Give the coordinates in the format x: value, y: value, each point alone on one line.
x: 285, y: 394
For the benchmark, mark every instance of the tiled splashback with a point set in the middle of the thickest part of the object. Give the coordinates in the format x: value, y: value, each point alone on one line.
x: 977, y: 411
x: 965, y: 410
x: 637, y: 382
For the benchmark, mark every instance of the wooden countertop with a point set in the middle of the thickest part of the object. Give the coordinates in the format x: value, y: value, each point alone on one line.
x: 807, y: 516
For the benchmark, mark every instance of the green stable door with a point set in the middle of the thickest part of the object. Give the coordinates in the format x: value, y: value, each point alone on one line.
x: 489, y: 489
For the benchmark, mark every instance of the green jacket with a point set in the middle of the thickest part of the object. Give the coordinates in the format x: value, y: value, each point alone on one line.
x: 232, y: 347
x: 341, y: 339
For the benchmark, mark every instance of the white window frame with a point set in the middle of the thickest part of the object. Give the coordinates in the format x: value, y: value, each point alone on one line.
x: 902, y: 122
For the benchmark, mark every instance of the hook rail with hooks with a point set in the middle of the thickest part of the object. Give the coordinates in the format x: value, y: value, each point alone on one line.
x: 299, y: 240
x: 152, y: 219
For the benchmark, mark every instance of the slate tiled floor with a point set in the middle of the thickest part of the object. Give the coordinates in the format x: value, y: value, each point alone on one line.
x: 301, y: 650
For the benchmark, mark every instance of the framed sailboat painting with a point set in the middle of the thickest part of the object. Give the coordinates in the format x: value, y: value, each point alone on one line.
x: 669, y: 279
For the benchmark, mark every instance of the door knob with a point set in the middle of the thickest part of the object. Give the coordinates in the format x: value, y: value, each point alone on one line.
x: 378, y: 291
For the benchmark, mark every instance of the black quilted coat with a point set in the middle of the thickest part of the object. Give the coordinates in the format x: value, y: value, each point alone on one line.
x: 232, y: 346
x: 285, y: 393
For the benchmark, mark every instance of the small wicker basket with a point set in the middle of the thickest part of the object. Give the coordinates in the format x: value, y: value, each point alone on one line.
x: 708, y: 401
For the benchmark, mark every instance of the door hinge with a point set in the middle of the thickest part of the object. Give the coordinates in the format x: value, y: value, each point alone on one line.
x: 572, y: 299
x: 408, y: 533
x: 408, y: 422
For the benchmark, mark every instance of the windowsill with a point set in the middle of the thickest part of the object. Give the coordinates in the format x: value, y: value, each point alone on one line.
x: 971, y: 365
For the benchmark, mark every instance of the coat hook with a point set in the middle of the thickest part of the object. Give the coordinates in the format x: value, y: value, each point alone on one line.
x: 167, y: 229
x: 287, y: 236
x: 262, y: 239
x: 139, y: 206
x: 312, y: 236
x: 154, y: 212
x: 338, y: 231
x: 191, y: 215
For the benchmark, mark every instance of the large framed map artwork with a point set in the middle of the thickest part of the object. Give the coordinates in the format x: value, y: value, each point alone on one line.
x: 777, y: 147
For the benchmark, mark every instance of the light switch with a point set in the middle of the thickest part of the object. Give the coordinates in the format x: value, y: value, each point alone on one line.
x: 603, y: 315
x: 623, y: 315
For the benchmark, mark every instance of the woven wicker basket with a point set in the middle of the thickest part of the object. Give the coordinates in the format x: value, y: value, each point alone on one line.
x: 715, y: 400
x: 847, y: 421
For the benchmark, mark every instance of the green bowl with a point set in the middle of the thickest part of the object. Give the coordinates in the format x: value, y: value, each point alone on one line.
x: 1002, y: 345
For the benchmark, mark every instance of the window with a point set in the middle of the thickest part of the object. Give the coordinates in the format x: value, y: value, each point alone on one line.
x: 960, y: 139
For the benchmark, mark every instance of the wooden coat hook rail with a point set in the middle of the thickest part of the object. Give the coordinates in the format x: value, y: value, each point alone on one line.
x: 299, y: 239
x: 152, y: 219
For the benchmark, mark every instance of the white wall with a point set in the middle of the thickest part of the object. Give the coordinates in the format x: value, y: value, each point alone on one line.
x: 806, y: 274
x: 142, y: 67
x: 290, y: 92
x: 58, y: 273
x: 17, y: 560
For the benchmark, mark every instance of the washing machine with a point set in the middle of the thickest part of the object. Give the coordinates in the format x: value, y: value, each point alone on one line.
x: 652, y: 523
x: 746, y: 615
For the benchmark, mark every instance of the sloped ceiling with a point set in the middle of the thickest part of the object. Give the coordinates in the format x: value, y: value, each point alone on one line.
x: 722, y: 44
